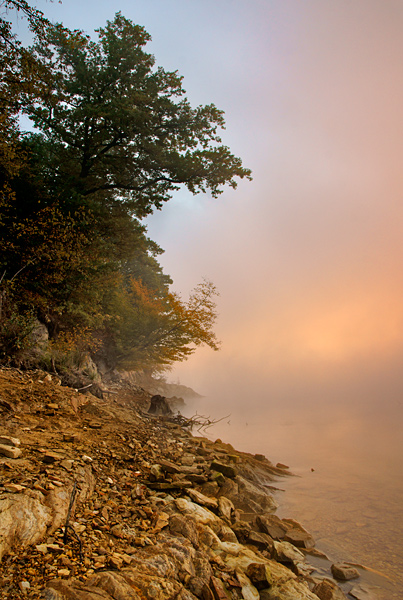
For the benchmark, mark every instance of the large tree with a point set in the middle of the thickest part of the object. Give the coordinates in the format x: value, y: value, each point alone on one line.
x: 117, y: 124
x: 115, y: 138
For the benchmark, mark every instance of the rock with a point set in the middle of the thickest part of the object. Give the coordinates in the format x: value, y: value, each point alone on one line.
x: 218, y: 589
x: 63, y: 572
x: 226, y: 470
x: 344, y: 572
x: 14, y: 488
x: 69, y: 437
x: 174, y: 485
x: 234, y: 458
x: 217, y: 477
x: 280, y: 465
x: 52, y: 457
x: 249, y: 592
x: 227, y: 535
x: 187, y: 460
x: 226, y: 508
x: 67, y: 464
x: 260, y: 575
x: 179, y: 525
x: 10, y: 451
x: 197, y: 478
x: 259, y: 457
x: 242, y: 531
x: 328, y: 590
x: 156, y: 473
x: 287, y: 553
x: 251, y: 498
x: 58, y: 501
x: 198, y: 513
x: 301, y: 539
x: 261, y: 540
x: 161, y: 522
x: 24, y: 520
x: 364, y: 592
x: 199, y: 498
x: 9, y: 441
x: 24, y: 586
x: 210, y: 488
x: 272, y: 525
x: 290, y: 590
x: 168, y: 466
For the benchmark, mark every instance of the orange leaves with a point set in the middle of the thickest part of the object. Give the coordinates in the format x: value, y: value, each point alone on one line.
x: 157, y: 330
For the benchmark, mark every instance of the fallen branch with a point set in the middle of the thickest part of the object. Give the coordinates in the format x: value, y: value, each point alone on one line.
x: 200, y: 421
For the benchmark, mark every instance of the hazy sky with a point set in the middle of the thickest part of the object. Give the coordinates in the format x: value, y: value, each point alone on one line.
x: 308, y: 257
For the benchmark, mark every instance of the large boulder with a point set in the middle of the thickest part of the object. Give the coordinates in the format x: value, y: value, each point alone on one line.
x: 24, y: 520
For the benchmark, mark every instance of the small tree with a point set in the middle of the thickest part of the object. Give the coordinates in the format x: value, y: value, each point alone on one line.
x: 155, y: 331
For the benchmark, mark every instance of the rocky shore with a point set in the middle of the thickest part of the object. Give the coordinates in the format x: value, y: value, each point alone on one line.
x: 100, y: 501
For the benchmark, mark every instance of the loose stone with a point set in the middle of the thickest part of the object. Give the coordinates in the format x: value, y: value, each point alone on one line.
x: 10, y: 451
x: 344, y: 572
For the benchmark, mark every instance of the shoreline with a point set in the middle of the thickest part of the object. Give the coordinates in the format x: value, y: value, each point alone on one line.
x: 151, y: 510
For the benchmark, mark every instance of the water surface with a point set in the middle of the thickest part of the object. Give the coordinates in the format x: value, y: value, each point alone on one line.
x: 348, y: 462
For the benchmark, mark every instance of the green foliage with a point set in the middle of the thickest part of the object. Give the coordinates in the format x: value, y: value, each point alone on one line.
x: 116, y: 137
x: 15, y: 328
x: 119, y: 125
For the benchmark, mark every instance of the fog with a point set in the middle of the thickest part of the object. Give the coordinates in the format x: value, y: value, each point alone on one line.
x: 308, y: 257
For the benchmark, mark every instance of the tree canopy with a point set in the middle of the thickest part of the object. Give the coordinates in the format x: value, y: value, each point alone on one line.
x: 115, y: 123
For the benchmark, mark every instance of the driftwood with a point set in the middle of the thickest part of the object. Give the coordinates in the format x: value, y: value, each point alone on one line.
x: 201, y: 422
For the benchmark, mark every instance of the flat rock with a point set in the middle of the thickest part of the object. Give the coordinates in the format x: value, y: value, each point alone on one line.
x: 9, y: 441
x: 364, y: 592
x: 67, y: 464
x: 217, y: 587
x: 227, y: 470
x: 211, y: 503
x: 260, y: 575
x: 50, y: 457
x: 174, y: 485
x: 10, y: 451
x: 168, y: 466
x: 14, y: 488
x: 301, y: 539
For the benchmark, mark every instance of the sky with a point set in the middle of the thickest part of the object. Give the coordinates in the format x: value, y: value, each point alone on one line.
x: 308, y: 256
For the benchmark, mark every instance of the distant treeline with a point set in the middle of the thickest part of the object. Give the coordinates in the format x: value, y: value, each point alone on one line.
x: 114, y: 138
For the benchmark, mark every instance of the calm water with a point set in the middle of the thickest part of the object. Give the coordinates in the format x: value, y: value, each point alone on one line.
x: 352, y: 500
